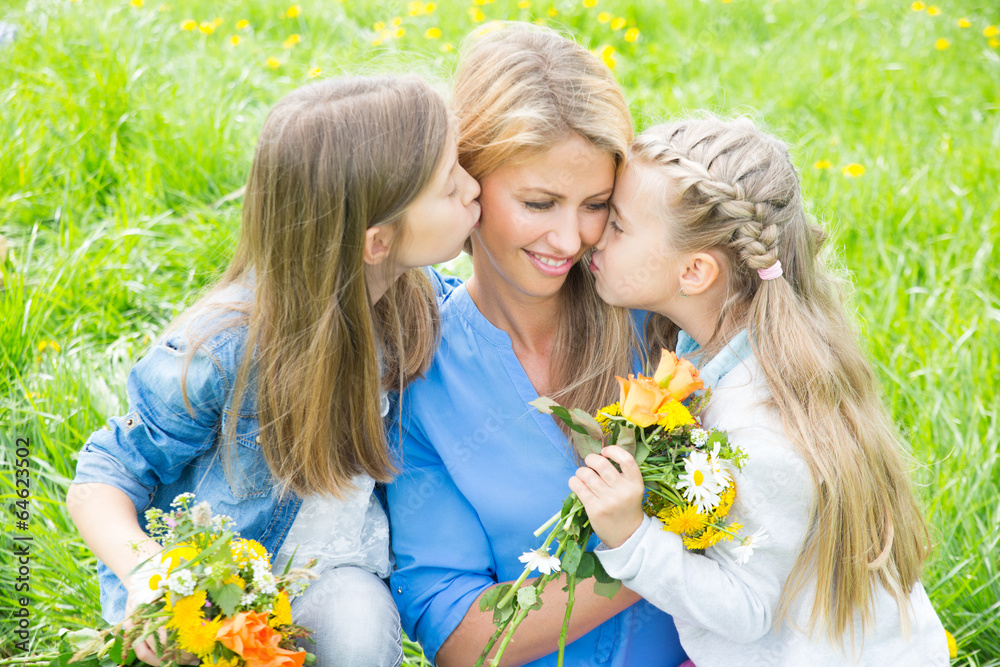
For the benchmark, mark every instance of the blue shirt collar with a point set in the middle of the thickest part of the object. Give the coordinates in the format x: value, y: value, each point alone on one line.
x: 732, y: 355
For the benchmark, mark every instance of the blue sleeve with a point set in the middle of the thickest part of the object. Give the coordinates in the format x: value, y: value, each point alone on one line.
x: 442, y: 284
x: 152, y: 444
x: 443, y: 556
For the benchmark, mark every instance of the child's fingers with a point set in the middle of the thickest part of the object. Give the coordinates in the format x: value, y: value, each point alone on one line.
x: 630, y: 469
x: 582, y: 491
x: 595, y: 483
x: 603, y: 467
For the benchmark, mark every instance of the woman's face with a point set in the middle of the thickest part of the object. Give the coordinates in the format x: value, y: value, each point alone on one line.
x: 541, y: 215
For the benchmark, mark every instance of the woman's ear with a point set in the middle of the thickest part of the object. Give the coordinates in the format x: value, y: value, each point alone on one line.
x: 700, y: 272
x: 377, y: 242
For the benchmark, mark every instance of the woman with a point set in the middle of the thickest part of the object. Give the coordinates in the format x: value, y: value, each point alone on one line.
x: 543, y: 127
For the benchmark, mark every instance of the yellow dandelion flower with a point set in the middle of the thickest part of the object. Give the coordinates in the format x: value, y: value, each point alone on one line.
x: 49, y: 345
x: 964, y: 23
x: 853, y: 170
x: 377, y: 41
x: 933, y: 11
x: 315, y: 72
x: 415, y: 8
x: 672, y: 415
x: 618, y: 23
x: 942, y: 44
x: 433, y: 33
x: 137, y: 3
x: 242, y: 24
x: 483, y: 2
x: 273, y: 63
x: 631, y: 35
x: 379, y: 26
x: 682, y: 520
x: 447, y: 47
x: 524, y: 4
x: 291, y: 41
x: 179, y: 555
x: 246, y: 550
x: 952, y: 645
x: 189, y: 25
x: 396, y: 22
x: 589, y: 3
x: 604, y: 17
x: 430, y: 7
x: 994, y: 42
x: 606, y: 412
x: 212, y: 661
x: 609, y: 62
x: 399, y: 32
x: 822, y: 164
x: 282, y: 612
x: 991, y: 31
x: 206, y: 27
x: 477, y: 14
x: 710, y: 537
x: 235, y: 578
x: 234, y: 40
x: 293, y: 11
x: 188, y: 610
x: 553, y: 12
x: 726, y: 500
x: 199, y: 638
x: 918, y: 6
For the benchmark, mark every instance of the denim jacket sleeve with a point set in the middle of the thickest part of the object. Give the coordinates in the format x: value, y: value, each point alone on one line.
x: 160, y: 434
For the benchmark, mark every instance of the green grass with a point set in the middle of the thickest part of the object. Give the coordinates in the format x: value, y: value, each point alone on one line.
x: 124, y: 140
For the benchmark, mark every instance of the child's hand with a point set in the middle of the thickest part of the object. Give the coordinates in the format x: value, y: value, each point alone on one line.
x: 613, y: 499
x: 145, y: 650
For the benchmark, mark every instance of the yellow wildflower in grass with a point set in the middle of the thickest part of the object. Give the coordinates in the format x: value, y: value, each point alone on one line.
x: 242, y: 24
x: 199, y: 638
x: 206, y: 27
x: 291, y: 41
x: 433, y: 33
x: 994, y: 43
x: 853, y: 170
x: 631, y: 35
x: 234, y: 40
x: 589, y: 3
x: 415, y: 8
x: 378, y: 26
x: 524, y: 4
x: 49, y: 345
x: 618, y: 23
x: 918, y: 6
x: 282, y: 612
x: 933, y: 11
x: 604, y: 17
x: 672, y: 415
x: 189, y: 25
x: 991, y: 31
x: 216, y: 22
x: 477, y: 14
x: 822, y: 164
x: 273, y: 63
x: 293, y: 11
x: 430, y: 7
x: 952, y: 645
x: 553, y: 12
x: 685, y: 520
x: 137, y: 3
x: 942, y: 44
x: 396, y: 22
x: 447, y: 47
x: 315, y: 72
x: 964, y: 23
x: 399, y: 32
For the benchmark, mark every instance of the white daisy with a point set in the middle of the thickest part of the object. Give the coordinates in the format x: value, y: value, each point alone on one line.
x: 139, y: 582
x: 540, y: 560
x: 745, y: 549
x: 701, y: 481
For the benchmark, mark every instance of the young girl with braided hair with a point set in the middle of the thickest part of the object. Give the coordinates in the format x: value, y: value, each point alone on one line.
x: 709, y: 233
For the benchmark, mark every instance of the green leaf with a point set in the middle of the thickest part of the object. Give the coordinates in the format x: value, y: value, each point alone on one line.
x: 227, y: 597
x: 543, y: 404
x: 608, y: 590
x: 584, y: 444
x: 641, y: 452
x: 601, y: 574
x: 587, y: 421
x: 502, y: 615
x: 571, y: 558
x: 492, y: 597
x: 585, y: 569
x: 527, y: 598
x: 116, y: 650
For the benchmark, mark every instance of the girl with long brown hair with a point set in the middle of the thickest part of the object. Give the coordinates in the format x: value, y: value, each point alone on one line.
x: 267, y: 398
x: 709, y: 232
x: 544, y: 128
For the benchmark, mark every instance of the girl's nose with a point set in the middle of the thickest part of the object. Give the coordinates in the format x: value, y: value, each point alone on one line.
x: 471, y: 187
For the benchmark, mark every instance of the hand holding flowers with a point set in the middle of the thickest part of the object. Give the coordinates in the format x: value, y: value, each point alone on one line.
x: 612, y: 499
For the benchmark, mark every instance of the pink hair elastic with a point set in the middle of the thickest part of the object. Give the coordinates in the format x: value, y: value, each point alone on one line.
x: 771, y: 272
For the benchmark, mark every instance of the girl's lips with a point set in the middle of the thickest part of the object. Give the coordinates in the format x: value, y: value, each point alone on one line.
x: 550, y: 266
x: 593, y: 266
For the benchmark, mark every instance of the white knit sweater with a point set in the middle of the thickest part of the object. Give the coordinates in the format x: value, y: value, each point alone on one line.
x: 724, y: 612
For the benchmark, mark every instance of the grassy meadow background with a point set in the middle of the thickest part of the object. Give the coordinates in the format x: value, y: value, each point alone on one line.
x: 127, y: 129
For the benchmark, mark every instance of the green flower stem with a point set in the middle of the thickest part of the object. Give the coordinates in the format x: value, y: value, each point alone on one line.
x: 489, y: 645
x: 571, y: 590
x: 527, y: 570
x: 548, y: 524
x: 518, y: 617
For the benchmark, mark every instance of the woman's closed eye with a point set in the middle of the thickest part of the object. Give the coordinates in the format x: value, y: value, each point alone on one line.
x: 598, y: 206
x: 539, y: 205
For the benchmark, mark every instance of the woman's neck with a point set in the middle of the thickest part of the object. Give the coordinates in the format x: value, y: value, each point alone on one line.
x: 531, y: 322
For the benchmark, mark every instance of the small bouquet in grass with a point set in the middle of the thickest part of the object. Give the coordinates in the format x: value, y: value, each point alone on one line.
x: 214, y: 594
x: 688, y: 473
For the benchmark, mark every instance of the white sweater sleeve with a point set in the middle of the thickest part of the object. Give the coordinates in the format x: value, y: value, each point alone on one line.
x: 712, y: 591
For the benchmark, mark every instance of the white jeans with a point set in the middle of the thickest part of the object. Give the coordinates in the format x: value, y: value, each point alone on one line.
x: 353, y: 618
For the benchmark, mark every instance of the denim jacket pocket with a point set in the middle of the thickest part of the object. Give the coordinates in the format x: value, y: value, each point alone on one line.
x: 249, y: 475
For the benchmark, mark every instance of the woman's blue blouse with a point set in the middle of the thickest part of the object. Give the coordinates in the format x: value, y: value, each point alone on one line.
x: 481, y: 471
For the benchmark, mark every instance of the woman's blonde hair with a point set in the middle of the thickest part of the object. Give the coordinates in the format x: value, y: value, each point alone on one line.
x: 737, y: 192
x: 520, y: 91
x: 334, y: 158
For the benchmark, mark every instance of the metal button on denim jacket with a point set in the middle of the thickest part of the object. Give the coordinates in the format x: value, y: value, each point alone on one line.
x: 160, y: 449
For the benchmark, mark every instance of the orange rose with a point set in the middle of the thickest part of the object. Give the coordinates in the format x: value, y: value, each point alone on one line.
x: 678, y: 376
x: 249, y: 635
x: 641, y: 399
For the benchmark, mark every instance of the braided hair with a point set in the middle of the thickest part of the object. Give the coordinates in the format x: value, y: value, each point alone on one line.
x: 736, y: 191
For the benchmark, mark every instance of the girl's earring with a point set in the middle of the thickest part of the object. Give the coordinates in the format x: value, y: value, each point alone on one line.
x: 681, y: 292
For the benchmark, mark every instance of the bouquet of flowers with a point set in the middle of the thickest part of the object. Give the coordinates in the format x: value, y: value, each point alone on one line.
x: 689, y: 475
x: 212, y: 591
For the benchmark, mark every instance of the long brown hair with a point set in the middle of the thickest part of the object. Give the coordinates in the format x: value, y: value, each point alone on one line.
x: 739, y: 194
x: 522, y: 90
x: 334, y: 158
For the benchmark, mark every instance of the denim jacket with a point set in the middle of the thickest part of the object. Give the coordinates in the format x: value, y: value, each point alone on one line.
x: 159, y: 449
